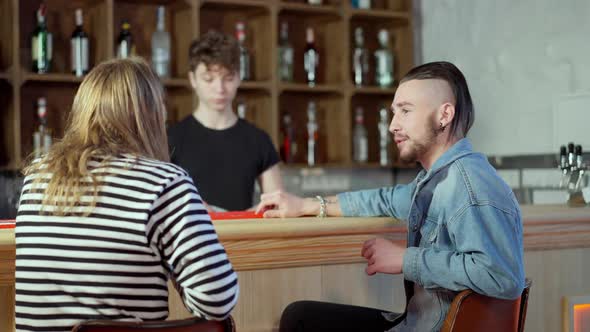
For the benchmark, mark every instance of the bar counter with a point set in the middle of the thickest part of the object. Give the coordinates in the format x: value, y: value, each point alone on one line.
x: 284, y: 260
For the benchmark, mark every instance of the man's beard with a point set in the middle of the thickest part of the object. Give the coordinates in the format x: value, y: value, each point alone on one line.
x: 415, y: 149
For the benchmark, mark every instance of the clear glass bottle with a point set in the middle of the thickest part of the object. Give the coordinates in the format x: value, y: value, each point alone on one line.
x: 161, y: 45
x: 364, y: 4
x: 360, y: 59
x: 312, y: 134
x: 41, y: 43
x: 42, y: 136
x: 311, y: 58
x: 360, y: 141
x: 244, y: 54
x: 384, y: 136
x: 285, y: 55
x: 125, y: 44
x: 383, y: 61
x: 79, y: 47
x: 289, y: 143
x: 241, y: 109
x: 361, y: 4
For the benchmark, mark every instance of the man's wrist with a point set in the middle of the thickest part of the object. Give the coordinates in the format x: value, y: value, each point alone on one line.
x: 311, y: 206
x: 323, y: 208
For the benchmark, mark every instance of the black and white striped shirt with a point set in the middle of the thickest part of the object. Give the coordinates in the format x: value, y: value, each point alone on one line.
x: 149, y: 224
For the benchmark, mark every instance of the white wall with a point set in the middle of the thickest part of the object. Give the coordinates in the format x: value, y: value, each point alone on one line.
x: 520, y: 58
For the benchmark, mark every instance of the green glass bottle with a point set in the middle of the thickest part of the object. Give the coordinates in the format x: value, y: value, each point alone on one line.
x: 41, y: 43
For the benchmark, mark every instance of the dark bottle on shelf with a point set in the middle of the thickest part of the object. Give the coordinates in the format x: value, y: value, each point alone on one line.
x: 311, y: 58
x: 383, y: 61
x: 288, y: 144
x: 41, y: 43
x: 312, y: 134
x: 285, y: 55
x: 42, y: 136
x: 79, y: 47
x: 125, y: 44
x: 360, y: 59
x: 245, y: 73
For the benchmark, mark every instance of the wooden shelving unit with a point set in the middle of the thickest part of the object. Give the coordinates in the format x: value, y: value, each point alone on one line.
x: 266, y: 97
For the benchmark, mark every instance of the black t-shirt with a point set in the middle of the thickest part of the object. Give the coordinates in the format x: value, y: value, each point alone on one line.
x: 224, y: 164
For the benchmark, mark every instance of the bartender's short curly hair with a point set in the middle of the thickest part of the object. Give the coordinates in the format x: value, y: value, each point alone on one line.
x: 215, y: 48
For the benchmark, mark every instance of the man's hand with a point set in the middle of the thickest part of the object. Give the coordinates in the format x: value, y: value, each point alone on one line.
x: 280, y: 204
x: 383, y: 256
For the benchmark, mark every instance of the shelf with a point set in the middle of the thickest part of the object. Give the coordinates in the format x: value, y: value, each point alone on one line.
x: 176, y: 83
x: 310, y: 9
x: 234, y: 3
x: 380, y: 14
x: 304, y: 88
x: 51, y: 78
x: 374, y: 90
x: 266, y: 97
x: 254, y: 85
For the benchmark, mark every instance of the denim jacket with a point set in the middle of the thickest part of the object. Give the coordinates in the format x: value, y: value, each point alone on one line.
x: 464, y: 231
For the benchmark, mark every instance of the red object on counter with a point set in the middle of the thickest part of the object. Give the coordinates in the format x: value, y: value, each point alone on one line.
x: 8, y: 223
x: 234, y: 215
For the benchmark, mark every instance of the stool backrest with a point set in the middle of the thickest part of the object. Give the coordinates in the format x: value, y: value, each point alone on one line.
x: 475, y: 312
x: 184, y: 325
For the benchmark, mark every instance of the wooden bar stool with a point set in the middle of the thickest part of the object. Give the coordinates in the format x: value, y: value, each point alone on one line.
x: 470, y: 311
x: 184, y: 325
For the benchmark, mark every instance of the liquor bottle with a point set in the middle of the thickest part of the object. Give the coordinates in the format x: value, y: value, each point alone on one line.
x: 384, y: 137
x: 361, y: 4
x: 311, y: 58
x: 79, y: 47
x: 360, y: 141
x: 125, y: 44
x: 383, y: 61
x: 244, y: 55
x: 41, y: 137
x: 241, y: 109
x: 161, y: 45
x: 41, y: 43
x: 360, y: 59
x: 288, y: 144
x: 312, y: 134
x: 285, y: 55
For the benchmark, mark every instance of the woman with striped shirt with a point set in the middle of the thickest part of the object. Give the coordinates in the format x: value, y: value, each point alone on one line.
x: 105, y: 220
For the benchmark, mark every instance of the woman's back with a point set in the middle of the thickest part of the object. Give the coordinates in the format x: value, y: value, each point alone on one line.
x: 148, y: 224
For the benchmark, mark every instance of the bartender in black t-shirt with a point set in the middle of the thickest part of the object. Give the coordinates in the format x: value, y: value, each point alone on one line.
x: 224, y: 155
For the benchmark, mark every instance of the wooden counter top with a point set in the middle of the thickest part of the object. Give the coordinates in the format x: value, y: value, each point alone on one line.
x: 276, y: 243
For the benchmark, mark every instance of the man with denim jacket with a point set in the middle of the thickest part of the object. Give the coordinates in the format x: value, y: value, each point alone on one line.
x: 464, y: 223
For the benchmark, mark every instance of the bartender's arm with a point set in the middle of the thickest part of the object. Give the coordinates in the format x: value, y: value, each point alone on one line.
x: 270, y: 180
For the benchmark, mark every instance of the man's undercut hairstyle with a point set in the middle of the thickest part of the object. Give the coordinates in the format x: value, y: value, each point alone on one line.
x: 215, y: 48
x: 442, y: 70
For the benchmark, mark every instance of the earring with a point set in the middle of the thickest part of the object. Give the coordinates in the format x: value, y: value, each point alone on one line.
x: 442, y: 128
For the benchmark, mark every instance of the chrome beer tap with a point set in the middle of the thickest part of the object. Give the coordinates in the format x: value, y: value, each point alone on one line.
x: 573, y: 171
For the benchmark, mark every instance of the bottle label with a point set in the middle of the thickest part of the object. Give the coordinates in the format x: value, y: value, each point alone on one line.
x: 161, y: 61
x: 286, y: 64
x: 384, y: 68
x: 79, y: 55
x: 41, y: 49
x: 364, y: 4
x: 34, y: 49
x: 310, y: 63
x: 123, y: 51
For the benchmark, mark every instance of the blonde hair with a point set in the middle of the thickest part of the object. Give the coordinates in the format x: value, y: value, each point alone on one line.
x: 118, y: 109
